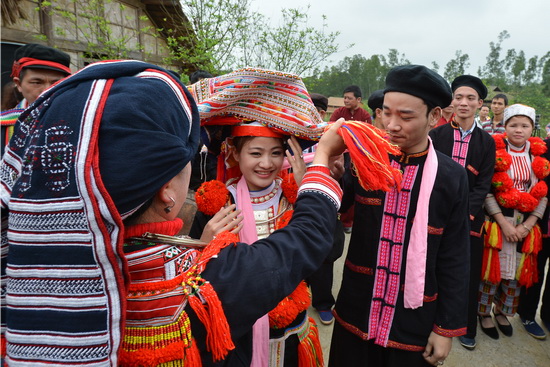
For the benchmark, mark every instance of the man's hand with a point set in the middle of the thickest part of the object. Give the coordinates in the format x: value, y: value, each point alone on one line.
x: 331, y: 144
x: 437, y: 349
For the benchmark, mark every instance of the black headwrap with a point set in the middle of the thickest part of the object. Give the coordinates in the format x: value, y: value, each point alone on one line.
x: 421, y: 82
x: 472, y: 82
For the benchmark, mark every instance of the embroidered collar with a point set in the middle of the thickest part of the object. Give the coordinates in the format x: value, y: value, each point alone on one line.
x: 406, y: 158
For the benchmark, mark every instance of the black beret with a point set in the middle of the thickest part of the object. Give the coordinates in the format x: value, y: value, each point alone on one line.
x: 40, y: 52
x: 472, y: 82
x: 376, y: 99
x: 319, y: 100
x: 421, y: 82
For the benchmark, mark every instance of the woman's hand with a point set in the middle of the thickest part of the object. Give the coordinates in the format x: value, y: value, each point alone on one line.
x: 297, y: 160
x: 227, y: 219
x: 331, y: 144
x: 510, y: 232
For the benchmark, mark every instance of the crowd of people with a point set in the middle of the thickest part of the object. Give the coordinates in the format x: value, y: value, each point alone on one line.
x: 96, y: 167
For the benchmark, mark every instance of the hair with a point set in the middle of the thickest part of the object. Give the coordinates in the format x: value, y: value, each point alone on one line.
x: 501, y: 96
x: 484, y: 106
x: 240, y: 141
x: 198, y: 75
x: 10, y: 96
x: 355, y: 90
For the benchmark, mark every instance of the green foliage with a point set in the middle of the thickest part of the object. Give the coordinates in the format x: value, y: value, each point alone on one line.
x: 92, y: 24
x: 456, y: 66
x: 369, y: 74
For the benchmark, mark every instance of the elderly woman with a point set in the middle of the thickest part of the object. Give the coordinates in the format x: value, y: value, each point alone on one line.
x: 515, y: 205
x: 92, y: 182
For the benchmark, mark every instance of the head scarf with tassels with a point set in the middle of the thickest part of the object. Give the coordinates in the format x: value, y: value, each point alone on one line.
x: 90, y: 150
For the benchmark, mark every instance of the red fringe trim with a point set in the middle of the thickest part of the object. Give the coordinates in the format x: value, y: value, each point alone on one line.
x: 310, y: 352
x: 289, y: 308
x: 369, y: 154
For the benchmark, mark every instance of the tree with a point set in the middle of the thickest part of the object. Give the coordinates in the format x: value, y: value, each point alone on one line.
x: 215, y: 28
x: 293, y: 46
x: 456, y: 66
x: 493, y: 72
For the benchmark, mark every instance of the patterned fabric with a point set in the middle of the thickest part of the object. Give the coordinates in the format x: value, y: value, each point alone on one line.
x: 460, y: 147
x: 65, y: 294
x: 276, y: 99
x: 505, y: 295
x: 390, y: 256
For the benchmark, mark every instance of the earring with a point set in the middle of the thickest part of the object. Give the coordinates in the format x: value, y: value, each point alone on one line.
x: 168, y: 209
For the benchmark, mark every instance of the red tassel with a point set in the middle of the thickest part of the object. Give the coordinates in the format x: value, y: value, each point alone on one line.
x: 492, y: 241
x: 310, y: 353
x: 219, y: 336
x: 192, y: 355
x: 527, y: 273
x: 369, y: 154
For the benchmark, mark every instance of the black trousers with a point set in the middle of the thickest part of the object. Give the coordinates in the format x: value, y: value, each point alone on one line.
x: 476, y: 260
x: 349, y: 350
x: 530, y: 297
x: 320, y: 282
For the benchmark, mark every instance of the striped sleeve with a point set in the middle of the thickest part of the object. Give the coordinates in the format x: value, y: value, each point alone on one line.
x: 317, y: 179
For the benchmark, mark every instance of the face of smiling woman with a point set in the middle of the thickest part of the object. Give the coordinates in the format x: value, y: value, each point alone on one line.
x: 260, y: 160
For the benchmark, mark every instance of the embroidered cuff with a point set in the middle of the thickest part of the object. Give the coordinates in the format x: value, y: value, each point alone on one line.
x: 449, y: 333
x: 317, y: 179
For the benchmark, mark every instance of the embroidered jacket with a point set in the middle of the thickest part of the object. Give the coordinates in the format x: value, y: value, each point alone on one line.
x: 447, y: 266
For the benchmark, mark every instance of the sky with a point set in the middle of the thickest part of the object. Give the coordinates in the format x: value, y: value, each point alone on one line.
x: 426, y: 30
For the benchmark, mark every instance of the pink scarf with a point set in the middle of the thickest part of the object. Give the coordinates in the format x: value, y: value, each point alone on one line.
x: 248, y: 234
x: 415, y: 272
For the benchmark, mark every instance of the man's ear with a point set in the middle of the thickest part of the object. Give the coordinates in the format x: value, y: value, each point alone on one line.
x: 434, y: 116
x: 17, y: 82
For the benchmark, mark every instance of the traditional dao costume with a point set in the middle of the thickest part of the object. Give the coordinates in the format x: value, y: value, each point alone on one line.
x: 406, y: 270
x: 279, y: 105
x: 475, y: 151
x: 518, y: 191
x: 81, y: 288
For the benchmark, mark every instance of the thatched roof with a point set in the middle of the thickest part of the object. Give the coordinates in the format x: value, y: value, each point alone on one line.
x: 11, y: 12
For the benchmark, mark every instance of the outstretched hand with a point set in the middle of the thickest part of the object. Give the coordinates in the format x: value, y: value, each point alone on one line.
x: 227, y: 219
x: 331, y: 144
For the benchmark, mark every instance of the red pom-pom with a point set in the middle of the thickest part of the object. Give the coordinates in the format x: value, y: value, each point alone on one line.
x: 501, y: 181
x: 503, y: 160
x: 508, y: 198
x: 284, y: 219
x: 211, y: 196
x: 541, y: 167
x: 499, y: 141
x: 289, y: 187
x: 527, y: 203
x: 538, y: 146
x: 539, y: 190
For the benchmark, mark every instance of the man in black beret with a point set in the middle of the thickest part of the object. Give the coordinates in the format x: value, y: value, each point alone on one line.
x: 405, y: 280
x: 473, y: 149
x: 35, y: 69
x: 375, y: 102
